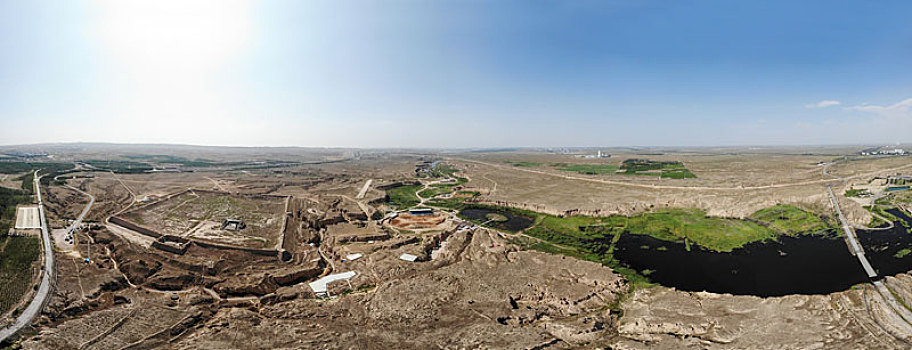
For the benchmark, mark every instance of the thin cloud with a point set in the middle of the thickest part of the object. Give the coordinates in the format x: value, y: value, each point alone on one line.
x: 899, y: 109
x: 823, y: 104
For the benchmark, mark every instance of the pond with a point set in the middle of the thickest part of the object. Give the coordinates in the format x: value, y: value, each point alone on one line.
x: 499, y: 219
x: 810, y: 264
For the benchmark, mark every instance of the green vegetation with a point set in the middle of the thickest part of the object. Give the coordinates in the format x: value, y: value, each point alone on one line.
x: 589, y: 169
x: 525, y: 164
x: 677, y: 225
x: 28, y: 182
x: 899, y: 299
x: 678, y: 174
x: 435, y: 190
x: 717, y: 234
x: 671, y: 170
x: 902, y: 253
x: 449, y: 203
x: 636, y: 165
x: 882, y: 211
x: 8, y: 200
x: 855, y: 192
x: 120, y: 166
x: 21, y: 167
x: 48, y: 169
x: 404, y: 196
x: 903, y: 197
x: 885, y: 200
x: 789, y: 219
x: 686, y: 226
x: 17, y: 254
x: 166, y: 159
x: 593, y: 238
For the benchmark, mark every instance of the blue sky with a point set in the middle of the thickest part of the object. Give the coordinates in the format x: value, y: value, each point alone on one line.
x: 456, y: 73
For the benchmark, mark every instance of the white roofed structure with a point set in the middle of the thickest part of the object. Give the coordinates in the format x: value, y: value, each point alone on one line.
x: 408, y: 257
x: 321, y: 286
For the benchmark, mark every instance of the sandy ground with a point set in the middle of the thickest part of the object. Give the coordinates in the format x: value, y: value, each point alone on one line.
x: 59, y: 238
x: 469, y: 289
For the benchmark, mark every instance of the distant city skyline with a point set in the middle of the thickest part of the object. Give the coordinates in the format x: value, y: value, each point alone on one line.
x: 460, y: 74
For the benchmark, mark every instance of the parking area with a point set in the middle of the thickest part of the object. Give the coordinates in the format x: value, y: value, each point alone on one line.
x: 27, y: 218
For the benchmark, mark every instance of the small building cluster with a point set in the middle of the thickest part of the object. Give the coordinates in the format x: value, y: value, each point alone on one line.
x: 599, y: 154
x: 886, y: 152
x: 321, y: 286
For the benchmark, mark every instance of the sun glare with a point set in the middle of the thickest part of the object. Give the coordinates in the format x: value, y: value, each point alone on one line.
x: 174, y: 34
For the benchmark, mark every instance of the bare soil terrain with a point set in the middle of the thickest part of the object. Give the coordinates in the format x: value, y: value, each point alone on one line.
x: 469, y: 287
x: 200, y: 214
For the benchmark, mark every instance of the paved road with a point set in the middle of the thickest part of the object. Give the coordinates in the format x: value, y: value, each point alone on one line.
x: 85, y: 211
x: 364, y: 189
x: 41, y: 296
x: 850, y: 235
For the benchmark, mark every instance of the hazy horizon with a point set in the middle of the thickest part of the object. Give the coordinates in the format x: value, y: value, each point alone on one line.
x: 571, y: 147
x: 451, y: 75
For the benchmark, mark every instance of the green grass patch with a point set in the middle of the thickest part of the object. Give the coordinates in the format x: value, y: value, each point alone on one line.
x: 790, y: 220
x: 449, y: 203
x: 902, y: 253
x: 642, y: 167
x: 877, y: 221
x: 678, y: 174
x: 687, y: 226
x: 668, y: 170
x: 589, y: 169
x: 855, y: 192
x: 594, y: 238
x: 637, y: 165
x: 434, y: 191
x: 884, y: 201
x: 525, y: 164
x: 404, y: 196
x: 717, y: 234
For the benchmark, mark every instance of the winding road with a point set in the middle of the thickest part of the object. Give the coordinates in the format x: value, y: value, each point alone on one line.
x: 41, y: 295
x: 85, y: 211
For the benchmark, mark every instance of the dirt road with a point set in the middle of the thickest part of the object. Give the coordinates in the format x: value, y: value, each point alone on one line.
x: 670, y: 187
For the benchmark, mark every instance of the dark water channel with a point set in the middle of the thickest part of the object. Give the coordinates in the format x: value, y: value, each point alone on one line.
x: 513, y: 223
x: 817, y: 264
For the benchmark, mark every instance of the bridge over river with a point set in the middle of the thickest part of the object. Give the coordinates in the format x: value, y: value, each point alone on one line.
x: 857, y: 250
